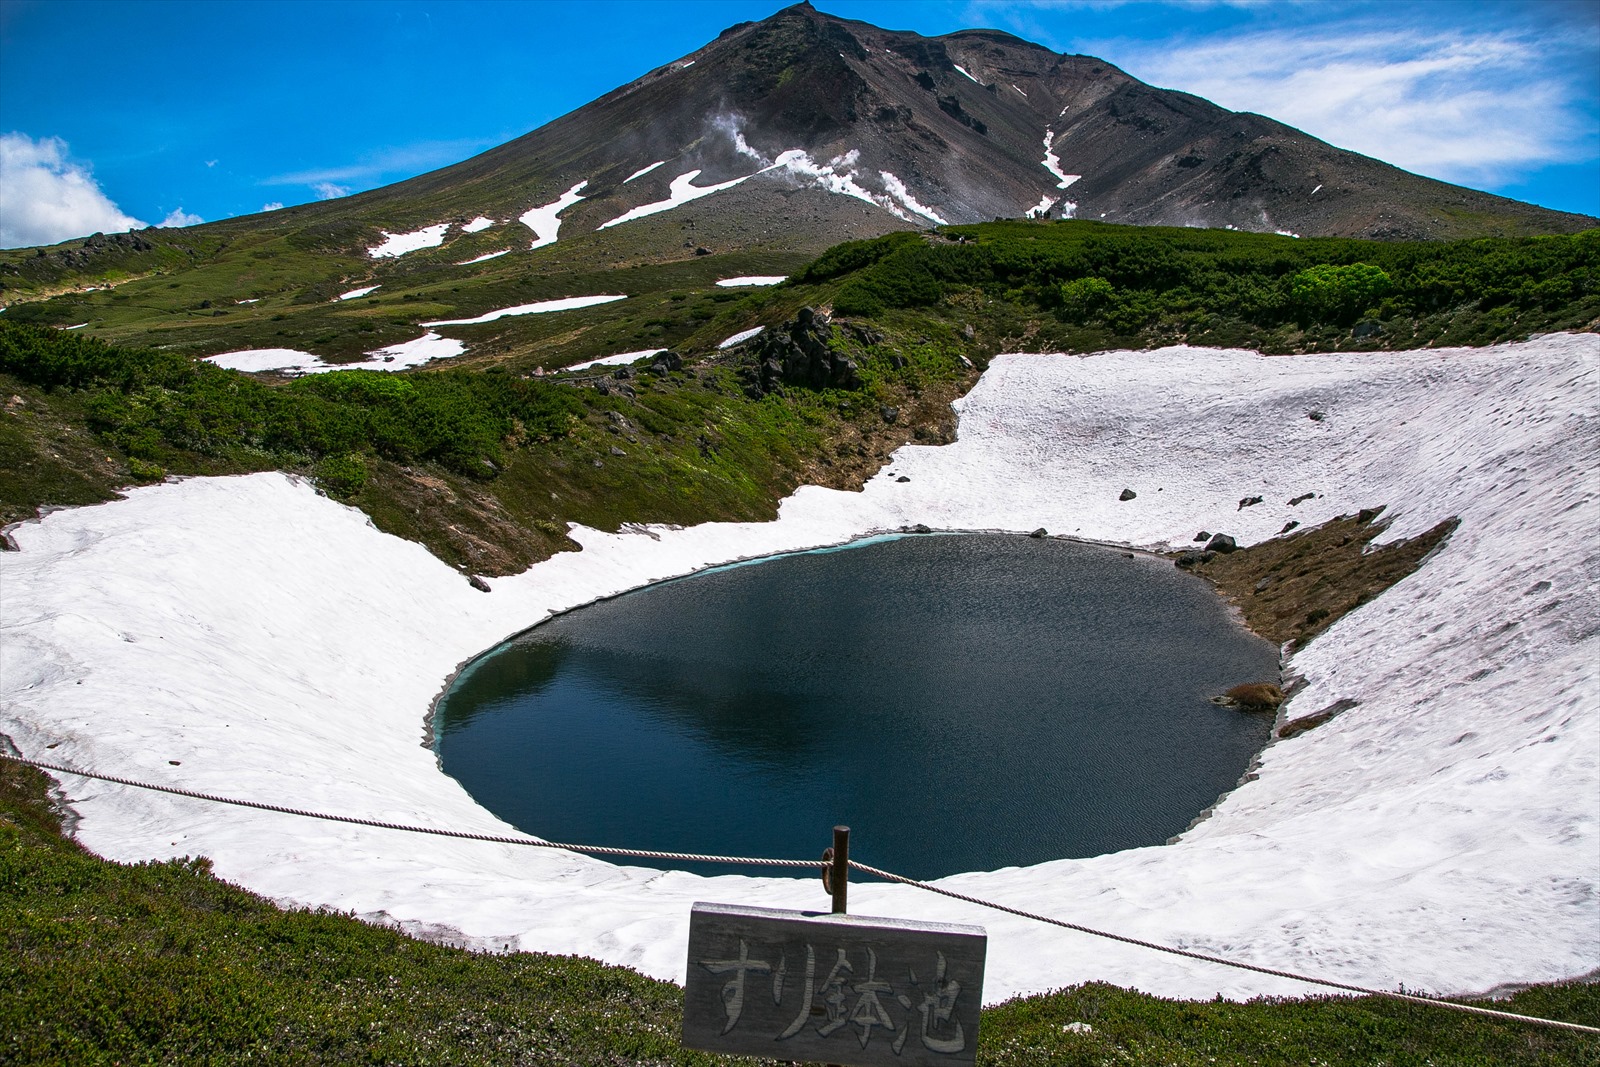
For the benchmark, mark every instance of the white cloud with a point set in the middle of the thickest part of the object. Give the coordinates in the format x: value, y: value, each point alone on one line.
x: 180, y: 217
x: 330, y: 191
x: 272, y: 205
x: 211, y: 162
x: 1477, y: 108
x: 45, y: 198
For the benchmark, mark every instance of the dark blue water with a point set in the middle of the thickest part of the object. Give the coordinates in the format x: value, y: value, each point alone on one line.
x: 962, y: 703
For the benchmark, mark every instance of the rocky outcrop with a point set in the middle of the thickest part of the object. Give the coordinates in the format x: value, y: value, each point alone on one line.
x: 798, y: 353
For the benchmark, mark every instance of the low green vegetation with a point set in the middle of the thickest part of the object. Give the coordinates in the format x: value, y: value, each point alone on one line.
x: 1082, y: 286
x: 108, y: 963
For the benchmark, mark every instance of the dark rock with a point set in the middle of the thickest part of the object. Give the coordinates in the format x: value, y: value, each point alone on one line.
x: 1040, y: 532
x: 797, y: 353
x: 1221, y: 543
x: 702, y: 251
x: 619, y: 419
x: 1301, y: 499
x: 622, y: 374
x: 665, y: 362
x: 1127, y: 494
x: 1203, y: 535
x: 921, y: 528
x: 1316, y: 416
x: 9, y: 545
x: 602, y: 388
x: 1192, y: 557
x: 1366, y: 515
x: 1291, y: 524
x: 1367, y: 328
x: 1249, y: 501
x: 902, y: 478
x: 888, y: 413
x: 477, y: 583
x: 1317, y: 718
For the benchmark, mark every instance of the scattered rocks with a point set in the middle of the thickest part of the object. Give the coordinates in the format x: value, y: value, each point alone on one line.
x: 1248, y: 502
x: 919, y: 528
x: 1221, y: 543
x: 622, y: 374
x: 1127, y: 494
x: 665, y: 362
x: 1193, y: 557
x: 477, y: 583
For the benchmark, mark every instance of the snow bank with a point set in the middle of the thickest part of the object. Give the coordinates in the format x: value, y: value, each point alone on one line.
x: 291, y: 361
x: 545, y: 221
x: 1052, y: 162
x: 1445, y: 833
x: 486, y: 256
x: 682, y: 191
x: 256, y: 360
x: 1042, y: 208
x: 742, y: 335
x: 477, y: 224
x: 963, y: 70
x: 621, y: 359
x: 642, y: 171
x: 355, y: 294
x: 752, y: 279
x: 566, y: 303
x: 897, y: 189
x: 396, y: 245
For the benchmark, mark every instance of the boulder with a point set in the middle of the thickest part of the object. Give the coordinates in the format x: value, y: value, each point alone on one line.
x: 1041, y: 532
x: 477, y: 583
x: 1249, y: 501
x: 1127, y: 494
x: 1221, y: 543
x: 798, y: 353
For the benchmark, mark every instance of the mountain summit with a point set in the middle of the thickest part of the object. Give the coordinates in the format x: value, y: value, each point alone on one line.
x: 809, y: 128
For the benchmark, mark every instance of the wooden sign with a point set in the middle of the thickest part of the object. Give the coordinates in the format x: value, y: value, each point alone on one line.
x: 844, y: 989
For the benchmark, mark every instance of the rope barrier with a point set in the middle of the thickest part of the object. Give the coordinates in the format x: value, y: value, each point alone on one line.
x: 533, y: 842
x: 888, y: 876
x: 903, y: 880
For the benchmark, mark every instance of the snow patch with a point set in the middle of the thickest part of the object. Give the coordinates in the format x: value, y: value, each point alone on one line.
x: 544, y: 221
x: 752, y: 279
x: 290, y: 361
x: 79, y: 326
x: 1042, y: 208
x: 256, y: 360
x: 396, y: 245
x: 1014, y: 86
x: 742, y: 335
x: 479, y: 223
x: 963, y: 70
x: 356, y: 293
x: 252, y: 300
x: 1285, y: 233
x: 642, y: 171
x: 682, y: 191
x: 898, y: 190
x: 485, y: 256
x: 1052, y: 162
x: 621, y: 359
x: 566, y: 303
x: 1318, y: 189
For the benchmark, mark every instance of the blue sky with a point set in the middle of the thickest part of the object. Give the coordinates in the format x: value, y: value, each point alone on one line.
x: 121, y: 114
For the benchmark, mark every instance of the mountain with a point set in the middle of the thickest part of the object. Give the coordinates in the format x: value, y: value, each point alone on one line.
x: 747, y: 157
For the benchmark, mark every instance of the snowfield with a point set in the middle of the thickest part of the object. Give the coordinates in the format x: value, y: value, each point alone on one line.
x: 402, y: 356
x: 545, y: 220
x: 1445, y: 833
x: 565, y: 303
x: 621, y: 359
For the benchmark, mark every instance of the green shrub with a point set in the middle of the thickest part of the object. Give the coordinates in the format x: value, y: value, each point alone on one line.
x: 341, y: 476
x: 1328, y: 293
